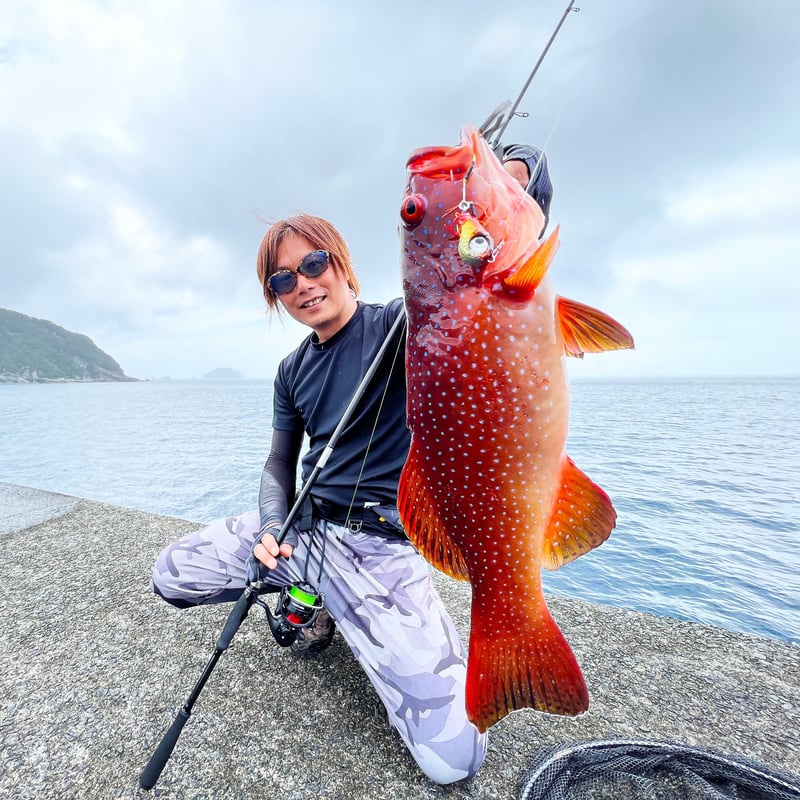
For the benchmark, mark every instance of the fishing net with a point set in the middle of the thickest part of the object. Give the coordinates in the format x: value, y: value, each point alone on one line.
x: 651, y: 770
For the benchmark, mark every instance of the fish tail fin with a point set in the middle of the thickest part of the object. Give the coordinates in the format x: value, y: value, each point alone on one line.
x: 529, y: 666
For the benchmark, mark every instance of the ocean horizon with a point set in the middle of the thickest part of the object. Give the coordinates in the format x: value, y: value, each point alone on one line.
x: 704, y: 474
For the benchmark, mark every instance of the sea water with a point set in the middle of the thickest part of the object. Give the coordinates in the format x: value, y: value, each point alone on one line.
x: 704, y: 475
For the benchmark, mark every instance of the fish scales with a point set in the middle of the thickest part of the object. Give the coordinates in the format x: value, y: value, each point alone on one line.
x: 487, y: 493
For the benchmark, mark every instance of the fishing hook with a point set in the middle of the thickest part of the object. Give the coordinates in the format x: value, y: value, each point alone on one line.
x: 495, y: 251
x: 466, y: 206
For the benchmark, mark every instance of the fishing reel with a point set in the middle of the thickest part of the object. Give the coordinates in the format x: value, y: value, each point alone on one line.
x: 298, y: 607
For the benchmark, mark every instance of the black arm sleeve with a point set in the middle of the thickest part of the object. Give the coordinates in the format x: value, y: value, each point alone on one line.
x: 278, y: 477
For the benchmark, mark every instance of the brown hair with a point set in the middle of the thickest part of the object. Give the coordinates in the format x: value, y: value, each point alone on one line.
x: 319, y: 233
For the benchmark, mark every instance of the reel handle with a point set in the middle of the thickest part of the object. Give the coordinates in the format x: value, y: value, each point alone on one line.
x: 283, y: 633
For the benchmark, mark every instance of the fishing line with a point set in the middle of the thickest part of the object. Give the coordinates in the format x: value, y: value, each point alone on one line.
x: 377, y: 418
x: 495, y: 125
x: 338, y: 540
x: 568, y: 95
x: 502, y: 129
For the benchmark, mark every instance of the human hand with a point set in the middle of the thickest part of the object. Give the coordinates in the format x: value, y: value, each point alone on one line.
x: 267, y: 550
x: 519, y: 171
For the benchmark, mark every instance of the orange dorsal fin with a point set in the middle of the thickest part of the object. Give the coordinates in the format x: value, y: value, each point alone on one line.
x: 582, y: 518
x: 422, y: 524
x: 513, y: 664
x: 586, y: 330
x: 530, y: 274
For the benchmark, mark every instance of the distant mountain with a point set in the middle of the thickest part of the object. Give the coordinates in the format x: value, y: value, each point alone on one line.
x: 223, y: 372
x: 38, y: 351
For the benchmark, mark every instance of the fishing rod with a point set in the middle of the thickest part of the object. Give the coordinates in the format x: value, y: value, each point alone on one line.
x: 497, y: 122
x: 157, y: 762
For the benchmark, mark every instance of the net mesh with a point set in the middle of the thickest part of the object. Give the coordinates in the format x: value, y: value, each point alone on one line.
x: 650, y: 770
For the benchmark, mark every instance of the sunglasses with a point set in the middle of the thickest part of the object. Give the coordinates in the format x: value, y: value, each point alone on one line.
x: 312, y: 266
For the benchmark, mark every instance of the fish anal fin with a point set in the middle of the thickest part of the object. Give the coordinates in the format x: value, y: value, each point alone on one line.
x: 586, y: 330
x: 583, y: 518
x: 529, y: 275
x: 518, y: 666
x: 422, y: 524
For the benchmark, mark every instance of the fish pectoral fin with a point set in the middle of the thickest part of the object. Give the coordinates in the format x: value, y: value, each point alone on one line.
x: 422, y: 523
x: 582, y: 518
x: 529, y: 275
x: 586, y: 330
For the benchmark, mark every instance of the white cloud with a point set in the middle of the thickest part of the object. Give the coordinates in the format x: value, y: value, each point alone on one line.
x: 745, y: 193
x: 139, y: 143
x: 732, y: 267
x: 82, y: 67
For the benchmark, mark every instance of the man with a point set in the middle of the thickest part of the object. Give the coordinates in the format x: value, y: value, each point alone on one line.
x: 350, y: 546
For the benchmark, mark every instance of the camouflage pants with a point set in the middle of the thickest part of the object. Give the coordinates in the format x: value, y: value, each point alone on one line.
x: 380, y: 594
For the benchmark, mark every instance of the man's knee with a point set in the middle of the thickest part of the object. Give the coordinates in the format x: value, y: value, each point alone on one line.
x: 173, y: 583
x: 189, y: 590
x: 449, y: 762
x: 165, y: 588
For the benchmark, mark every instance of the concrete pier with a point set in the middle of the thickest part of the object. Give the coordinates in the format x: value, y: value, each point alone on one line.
x: 93, y: 669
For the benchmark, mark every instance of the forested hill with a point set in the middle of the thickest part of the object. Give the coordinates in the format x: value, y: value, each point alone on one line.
x: 38, y: 351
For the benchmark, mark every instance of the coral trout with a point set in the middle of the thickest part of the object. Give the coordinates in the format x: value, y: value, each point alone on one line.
x: 488, y: 493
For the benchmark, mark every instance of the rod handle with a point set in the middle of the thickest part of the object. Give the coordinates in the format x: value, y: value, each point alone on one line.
x: 157, y: 762
x: 236, y: 617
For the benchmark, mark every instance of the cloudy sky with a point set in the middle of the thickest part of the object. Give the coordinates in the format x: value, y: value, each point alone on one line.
x: 142, y: 146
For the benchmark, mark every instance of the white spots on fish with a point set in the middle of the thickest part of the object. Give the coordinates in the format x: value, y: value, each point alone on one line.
x: 476, y: 389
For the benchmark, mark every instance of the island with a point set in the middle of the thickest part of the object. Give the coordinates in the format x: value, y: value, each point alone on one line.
x: 223, y: 373
x: 39, y: 351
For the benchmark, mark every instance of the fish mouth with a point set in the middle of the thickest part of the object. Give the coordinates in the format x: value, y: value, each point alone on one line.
x: 441, y: 162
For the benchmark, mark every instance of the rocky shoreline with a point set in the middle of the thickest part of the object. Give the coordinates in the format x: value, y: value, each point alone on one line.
x: 93, y: 668
x: 6, y: 378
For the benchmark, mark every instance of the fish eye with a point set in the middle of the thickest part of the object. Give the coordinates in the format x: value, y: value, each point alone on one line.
x: 413, y: 210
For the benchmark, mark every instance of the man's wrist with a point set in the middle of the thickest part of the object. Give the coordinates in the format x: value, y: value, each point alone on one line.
x: 270, y: 527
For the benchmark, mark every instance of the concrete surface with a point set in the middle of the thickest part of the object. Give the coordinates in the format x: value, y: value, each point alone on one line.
x: 22, y: 507
x: 93, y: 669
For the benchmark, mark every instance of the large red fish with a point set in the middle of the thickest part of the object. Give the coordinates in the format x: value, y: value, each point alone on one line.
x: 488, y: 494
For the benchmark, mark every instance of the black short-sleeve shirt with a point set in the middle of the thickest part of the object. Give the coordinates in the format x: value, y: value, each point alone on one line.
x: 315, y: 384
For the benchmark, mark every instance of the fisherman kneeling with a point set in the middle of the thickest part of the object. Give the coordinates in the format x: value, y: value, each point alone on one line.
x: 377, y: 588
